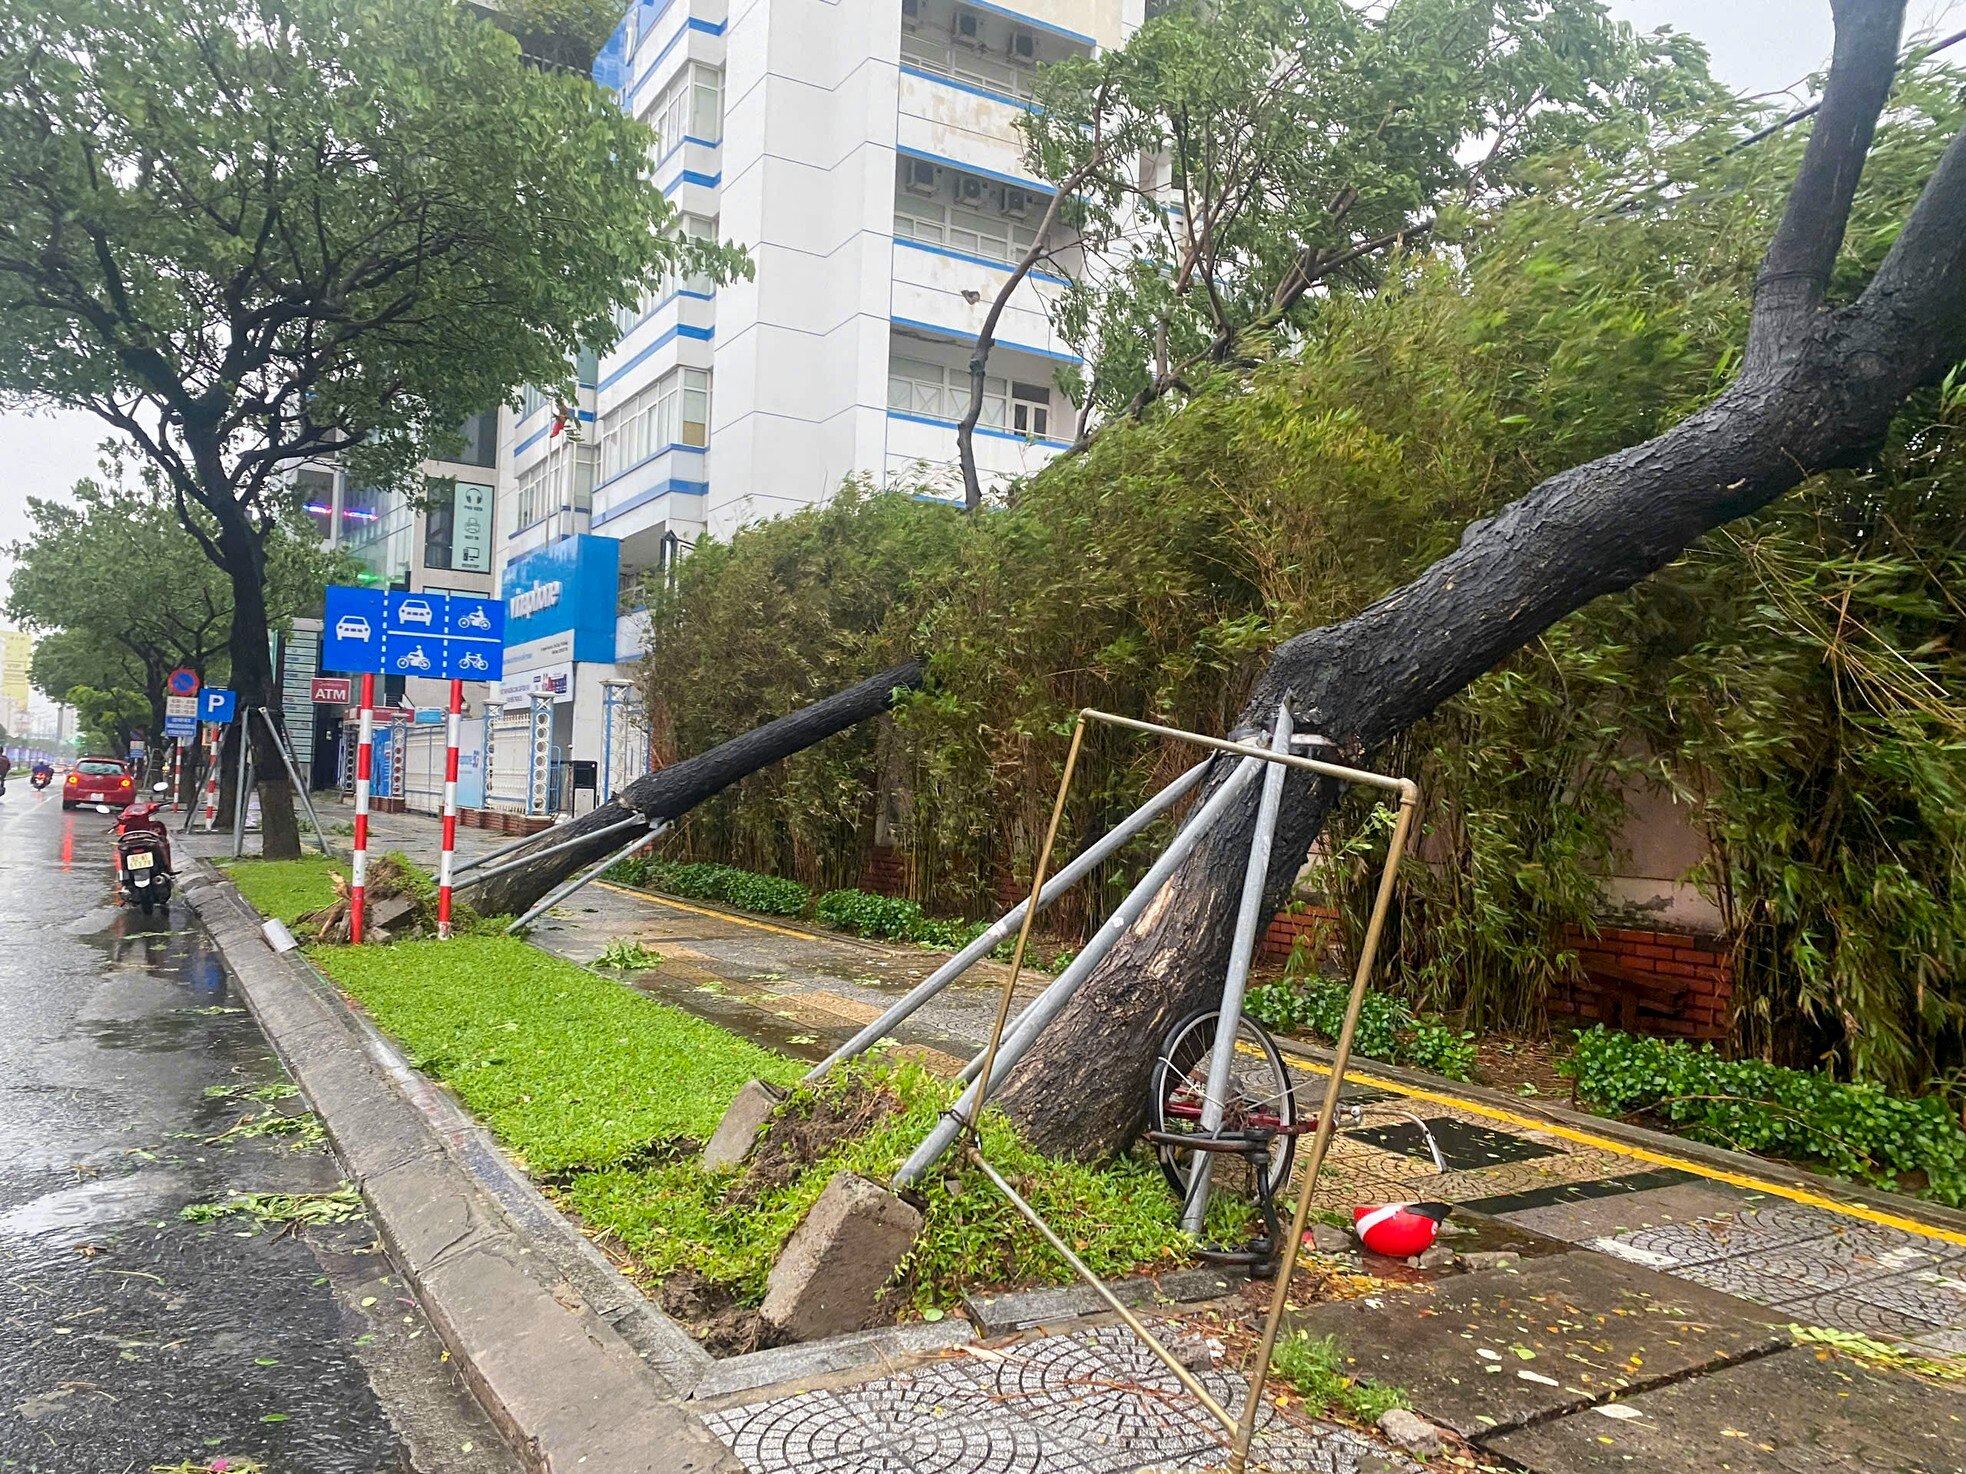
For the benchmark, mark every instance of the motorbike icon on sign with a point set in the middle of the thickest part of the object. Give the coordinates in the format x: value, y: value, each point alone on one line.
x: 472, y: 660
x: 476, y: 619
x: 415, y: 660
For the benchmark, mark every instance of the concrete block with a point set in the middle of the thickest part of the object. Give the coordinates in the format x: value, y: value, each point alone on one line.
x: 1411, y: 1432
x: 741, y: 1126
x: 838, y: 1260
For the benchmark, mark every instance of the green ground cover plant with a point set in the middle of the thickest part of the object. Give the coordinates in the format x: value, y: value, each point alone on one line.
x: 603, y: 1093
x: 287, y: 888
x: 572, y: 1070
x: 1387, y: 1028
x: 1315, y: 1367
x: 769, y: 895
x: 728, y: 1226
x: 1856, y: 1131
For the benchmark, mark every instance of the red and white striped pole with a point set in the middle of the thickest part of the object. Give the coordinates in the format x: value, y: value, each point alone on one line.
x: 449, y: 852
x: 211, y: 777
x: 364, y: 760
x: 177, y: 772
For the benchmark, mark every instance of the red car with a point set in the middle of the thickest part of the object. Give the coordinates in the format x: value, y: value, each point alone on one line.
x: 98, y: 780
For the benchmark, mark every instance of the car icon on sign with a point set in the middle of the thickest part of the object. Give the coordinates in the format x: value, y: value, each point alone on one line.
x: 351, y: 627
x: 477, y: 619
x: 415, y: 660
x: 415, y: 611
x: 473, y: 661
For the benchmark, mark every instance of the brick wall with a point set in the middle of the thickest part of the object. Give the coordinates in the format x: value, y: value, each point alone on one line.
x: 1651, y: 982
x: 886, y: 872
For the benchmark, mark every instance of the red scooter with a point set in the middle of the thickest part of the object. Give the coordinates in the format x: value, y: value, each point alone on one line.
x: 143, y: 854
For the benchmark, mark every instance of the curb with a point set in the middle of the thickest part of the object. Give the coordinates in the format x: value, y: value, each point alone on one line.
x: 560, y: 1381
x: 1660, y: 1143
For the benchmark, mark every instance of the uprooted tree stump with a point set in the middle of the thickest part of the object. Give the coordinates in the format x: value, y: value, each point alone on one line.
x: 400, y: 901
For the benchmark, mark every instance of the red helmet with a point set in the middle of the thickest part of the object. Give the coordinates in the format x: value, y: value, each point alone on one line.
x: 1398, y: 1230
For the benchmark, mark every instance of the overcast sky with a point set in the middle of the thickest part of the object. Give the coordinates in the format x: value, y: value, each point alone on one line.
x: 1758, y: 46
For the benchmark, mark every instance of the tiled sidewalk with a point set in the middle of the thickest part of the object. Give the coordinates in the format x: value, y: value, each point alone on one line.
x: 1089, y: 1402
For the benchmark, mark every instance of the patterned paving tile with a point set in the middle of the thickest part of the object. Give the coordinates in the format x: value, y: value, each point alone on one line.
x: 1844, y: 1311
x: 807, y: 1431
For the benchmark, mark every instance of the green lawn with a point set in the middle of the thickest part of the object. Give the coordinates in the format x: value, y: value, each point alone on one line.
x: 286, y: 888
x: 602, y: 1092
x: 572, y: 1070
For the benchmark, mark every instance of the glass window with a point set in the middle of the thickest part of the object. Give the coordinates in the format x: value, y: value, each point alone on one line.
x: 967, y: 214
x: 675, y: 410
x: 691, y: 106
x: 480, y: 436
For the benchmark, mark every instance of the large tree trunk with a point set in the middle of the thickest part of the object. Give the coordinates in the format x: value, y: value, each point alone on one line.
x: 252, y: 678
x: 1818, y: 388
x: 680, y: 787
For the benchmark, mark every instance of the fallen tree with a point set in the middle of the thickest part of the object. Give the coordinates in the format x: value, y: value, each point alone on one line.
x: 1818, y: 388
x: 675, y: 790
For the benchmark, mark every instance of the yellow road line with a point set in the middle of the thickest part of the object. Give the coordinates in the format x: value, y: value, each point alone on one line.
x: 1643, y: 1154
x: 783, y: 931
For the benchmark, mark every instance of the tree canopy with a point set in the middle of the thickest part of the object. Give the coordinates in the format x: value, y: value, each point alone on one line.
x: 244, y: 233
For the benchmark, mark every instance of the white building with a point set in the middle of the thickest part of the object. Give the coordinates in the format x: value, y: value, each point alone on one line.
x: 865, y: 154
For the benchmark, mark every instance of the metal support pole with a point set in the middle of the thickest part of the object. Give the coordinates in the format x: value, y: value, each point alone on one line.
x: 561, y: 844
x: 1093, y: 855
x: 293, y: 777
x: 1242, y: 951
x: 1327, y: 1120
x: 358, y: 872
x: 1003, y: 1053
x: 499, y: 853
x: 553, y: 897
x: 446, y: 857
x: 242, y: 797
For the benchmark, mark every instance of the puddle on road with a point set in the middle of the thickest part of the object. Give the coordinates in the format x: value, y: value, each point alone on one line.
x: 141, y: 1195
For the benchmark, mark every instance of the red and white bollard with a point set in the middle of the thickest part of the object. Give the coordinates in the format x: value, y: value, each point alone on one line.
x: 177, y: 772
x: 364, y: 761
x: 211, y: 776
x: 449, y: 852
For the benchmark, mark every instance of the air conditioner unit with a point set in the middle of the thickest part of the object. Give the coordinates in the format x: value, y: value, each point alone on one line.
x: 1023, y: 46
x: 920, y: 177
x: 969, y: 190
x: 1016, y: 202
x: 967, y: 28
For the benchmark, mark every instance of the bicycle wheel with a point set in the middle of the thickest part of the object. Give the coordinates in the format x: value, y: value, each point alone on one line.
x: 1259, y: 1094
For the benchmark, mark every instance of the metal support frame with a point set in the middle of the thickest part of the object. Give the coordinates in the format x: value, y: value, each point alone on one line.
x: 505, y: 849
x: 243, y: 790
x: 995, y: 1060
x: 1242, y: 951
x: 554, y: 847
x: 553, y: 897
x: 293, y: 776
x: 989, y: 1069
x: 1092, y: 855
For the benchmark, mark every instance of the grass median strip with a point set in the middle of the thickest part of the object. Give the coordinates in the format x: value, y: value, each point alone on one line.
x: 286, y: 888
x: 603, y: 1093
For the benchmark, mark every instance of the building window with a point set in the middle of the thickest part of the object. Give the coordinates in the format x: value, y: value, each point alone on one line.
x: 675, y: 410
x: 919, y: 386
x: 691, y: 106
x: 695, y: 227
x: 940, y: 207
x: 562, y: 481
x: 480, y: 437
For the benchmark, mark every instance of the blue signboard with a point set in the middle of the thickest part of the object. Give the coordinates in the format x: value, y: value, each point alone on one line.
x: 351, y: 631
x: 443, y: 636
x: 180, y: 726
x: 572, y: 587
x: 216, y: 704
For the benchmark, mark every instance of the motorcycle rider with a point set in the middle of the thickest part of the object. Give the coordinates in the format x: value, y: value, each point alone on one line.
x: 42, y: 774
x: 6, y: 766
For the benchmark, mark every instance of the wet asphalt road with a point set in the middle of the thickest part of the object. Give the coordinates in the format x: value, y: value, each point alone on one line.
x: 131, y: 1337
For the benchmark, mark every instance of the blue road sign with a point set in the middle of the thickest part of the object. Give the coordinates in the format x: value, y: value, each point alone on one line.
x: 351, y: 637
x: 443, y: 636
x: 216, y: 704
x: 180, y: 726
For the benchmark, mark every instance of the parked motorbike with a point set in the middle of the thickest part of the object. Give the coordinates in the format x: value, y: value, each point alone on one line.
x: 143, y: 854
x: 42, y: 775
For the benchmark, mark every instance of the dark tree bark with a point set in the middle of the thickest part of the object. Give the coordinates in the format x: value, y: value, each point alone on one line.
x: 1818, y: 388
x: 252, y: 675
x: 680, y: 787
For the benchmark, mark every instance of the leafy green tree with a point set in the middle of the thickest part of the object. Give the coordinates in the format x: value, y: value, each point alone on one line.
x: 246, y: 233
x: 108, y: 717
x: 1236, y: 162
x: 116, y: 567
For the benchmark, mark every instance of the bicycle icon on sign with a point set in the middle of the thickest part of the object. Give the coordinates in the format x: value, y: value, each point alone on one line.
x: 472, y: 660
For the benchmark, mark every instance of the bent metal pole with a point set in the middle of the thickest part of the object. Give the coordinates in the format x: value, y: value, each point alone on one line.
x: 358, y: 871
x: 1242, y: 951
x: 1093, y: 854
x: 448, y: 855
x: 1032, y: 1020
